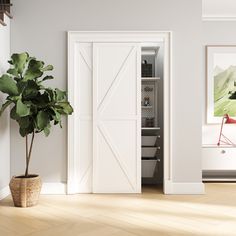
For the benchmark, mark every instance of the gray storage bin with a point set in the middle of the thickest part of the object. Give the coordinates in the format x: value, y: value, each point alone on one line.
x: 149, y: 141
x: 148, y: 168
x: 149, y: 152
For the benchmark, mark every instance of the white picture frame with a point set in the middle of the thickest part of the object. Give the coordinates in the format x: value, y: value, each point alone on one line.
x: 221, y: 80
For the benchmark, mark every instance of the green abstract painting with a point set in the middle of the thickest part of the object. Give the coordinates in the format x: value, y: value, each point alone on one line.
x: 224, y: 73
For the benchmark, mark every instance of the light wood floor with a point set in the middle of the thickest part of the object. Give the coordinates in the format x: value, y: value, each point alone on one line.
x: 147, y: 214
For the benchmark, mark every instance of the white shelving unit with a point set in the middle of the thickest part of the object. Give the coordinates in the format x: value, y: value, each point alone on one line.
x: 218, y: 163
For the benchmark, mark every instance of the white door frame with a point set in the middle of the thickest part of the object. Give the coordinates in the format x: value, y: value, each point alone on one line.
x: 75, y: 37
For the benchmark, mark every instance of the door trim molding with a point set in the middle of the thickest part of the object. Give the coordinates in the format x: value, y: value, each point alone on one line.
x: 75, y: 37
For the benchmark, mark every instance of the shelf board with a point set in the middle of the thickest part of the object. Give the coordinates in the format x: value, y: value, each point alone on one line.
x: 150, y: 78
x: 147, y: 107
x: 150, y: 159
x: 210, y: 179
x: 151, y: 128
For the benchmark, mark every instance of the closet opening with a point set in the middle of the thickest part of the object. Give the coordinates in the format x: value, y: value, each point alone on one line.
x: 152, y: 114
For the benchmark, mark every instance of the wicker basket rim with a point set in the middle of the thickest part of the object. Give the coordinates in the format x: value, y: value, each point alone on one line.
x: 33, y: 176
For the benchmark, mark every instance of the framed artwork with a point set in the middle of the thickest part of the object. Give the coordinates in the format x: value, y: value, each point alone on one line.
x: 221, y: 82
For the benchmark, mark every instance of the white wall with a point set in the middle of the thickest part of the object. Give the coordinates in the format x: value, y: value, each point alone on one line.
x: 4, y: 119
x: 39, y: 27
x: 216, y: 33
x: 219, y: 8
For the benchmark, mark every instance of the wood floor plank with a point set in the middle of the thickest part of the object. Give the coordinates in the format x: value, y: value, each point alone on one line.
x: 71, y: 229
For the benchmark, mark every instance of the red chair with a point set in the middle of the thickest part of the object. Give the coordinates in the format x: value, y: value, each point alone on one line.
x: 222, y: 138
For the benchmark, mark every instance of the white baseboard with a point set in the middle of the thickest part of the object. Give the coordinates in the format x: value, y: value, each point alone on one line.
x: 53, y: 188
x: 4, y: 192
x: 184, y: 188
x: 169, y: 188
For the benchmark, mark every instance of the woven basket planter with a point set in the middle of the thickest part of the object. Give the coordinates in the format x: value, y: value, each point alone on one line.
x: 25, y: 191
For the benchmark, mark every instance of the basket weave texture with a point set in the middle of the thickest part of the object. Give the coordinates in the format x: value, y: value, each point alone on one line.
x: 25, y: 191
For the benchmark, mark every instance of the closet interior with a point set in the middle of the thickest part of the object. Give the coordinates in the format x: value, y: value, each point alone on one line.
x: 152, y: 113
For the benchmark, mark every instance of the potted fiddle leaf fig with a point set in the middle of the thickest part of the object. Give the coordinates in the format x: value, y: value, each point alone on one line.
x: 35, y: 107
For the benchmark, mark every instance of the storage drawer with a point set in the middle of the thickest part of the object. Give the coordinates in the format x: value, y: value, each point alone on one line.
x: 149, y: 152
x: 148, y: 168
x: 219, y: 158
x: 149, y: 141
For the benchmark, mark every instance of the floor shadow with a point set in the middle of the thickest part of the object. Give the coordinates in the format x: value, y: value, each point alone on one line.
x: 7, y: 202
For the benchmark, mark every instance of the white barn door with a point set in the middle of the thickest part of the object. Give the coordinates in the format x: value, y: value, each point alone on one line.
x: 116, y: 118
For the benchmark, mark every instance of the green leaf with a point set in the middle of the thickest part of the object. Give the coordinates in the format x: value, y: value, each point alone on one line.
x: 25, y: 131
x: 21, y: 85
x: 56, y: 115
x: 8, y: 85
x: 60, y: 95
x: 4, y: 106
x: 13, y: 98
x: 13, y: 114
x: 46, y: 130
x: 13, y: 72
x: 47, y: 68
x: 34, y: 70
x: 31, y: 90
x: 41, y: 100
x: 31, y: 58
x: 51, y: 94
x: 42, y: 120
x: 64, y: 108
x: 48, y: 77
x: 22, y: 109
x: 24, y: 122
x: 19, y: 61
x: 56, y: 122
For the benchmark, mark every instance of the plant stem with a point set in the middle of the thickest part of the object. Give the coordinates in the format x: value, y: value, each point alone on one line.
x: 26, y: 150
x: 28, y: 153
